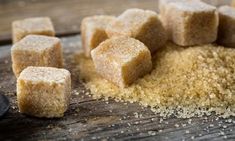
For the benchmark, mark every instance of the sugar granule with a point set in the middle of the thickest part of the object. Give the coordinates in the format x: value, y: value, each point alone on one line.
x: 185, y: 82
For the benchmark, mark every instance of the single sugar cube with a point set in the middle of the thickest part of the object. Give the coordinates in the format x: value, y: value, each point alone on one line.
x: 93, y: 32
x: 226, y: 33
x: 44, y: 91
x: 38, y: 25
x: 162, y: 4
x: 191, y: 23
x: 143, y: 25
x: 36, y: 50
x: 122, y: 60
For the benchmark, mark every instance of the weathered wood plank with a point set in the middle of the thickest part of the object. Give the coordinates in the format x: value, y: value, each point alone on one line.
x: 91, y: 119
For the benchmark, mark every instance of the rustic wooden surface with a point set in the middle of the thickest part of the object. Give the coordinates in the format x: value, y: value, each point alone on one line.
x: 67, y: 14
x: 90, y: 119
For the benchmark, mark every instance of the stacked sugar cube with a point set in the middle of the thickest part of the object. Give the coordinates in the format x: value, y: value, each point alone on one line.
x: 143, y: 25
x: 43, y: 87
x: 124, y: 54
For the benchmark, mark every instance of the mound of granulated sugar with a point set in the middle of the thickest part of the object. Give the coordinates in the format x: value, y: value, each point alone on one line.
x: 184, y: 82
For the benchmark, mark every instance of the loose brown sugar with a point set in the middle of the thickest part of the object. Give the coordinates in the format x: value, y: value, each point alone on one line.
x: 185, y: 82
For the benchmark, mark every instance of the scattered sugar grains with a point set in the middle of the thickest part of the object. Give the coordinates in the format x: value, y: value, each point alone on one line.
x: 185, y: 82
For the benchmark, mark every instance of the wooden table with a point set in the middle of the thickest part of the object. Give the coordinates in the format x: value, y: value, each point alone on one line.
x: 90, y: 119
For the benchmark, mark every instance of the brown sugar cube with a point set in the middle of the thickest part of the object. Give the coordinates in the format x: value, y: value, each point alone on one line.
x: 191, y: 23
x: 93, y: 32
x: 38, y: 26
x: 36, y: 50
x: 44, y: 91
x: 226, y: 33
x: 162, y: 4
x: 143, y: 25
x: 122, y: 60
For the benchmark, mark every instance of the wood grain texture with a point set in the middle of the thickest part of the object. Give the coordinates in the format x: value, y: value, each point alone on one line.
x: 67, y: 14
x: 90, y: 119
